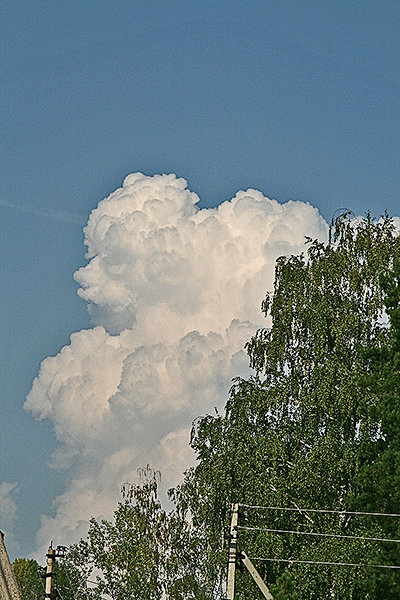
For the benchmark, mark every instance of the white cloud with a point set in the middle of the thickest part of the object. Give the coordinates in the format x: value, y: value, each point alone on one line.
x: 174, y: 293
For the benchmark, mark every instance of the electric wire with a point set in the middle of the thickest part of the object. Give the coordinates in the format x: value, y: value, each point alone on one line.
x: 320, y: 510
x: 71, y: 587
x: 317, y: 534
x: 330, y: 535
x: 320, y: 562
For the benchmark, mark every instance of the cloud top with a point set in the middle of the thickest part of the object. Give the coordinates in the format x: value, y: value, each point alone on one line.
x: 155, y: 255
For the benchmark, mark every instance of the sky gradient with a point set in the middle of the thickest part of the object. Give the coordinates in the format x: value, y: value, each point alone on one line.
x: 297, y: 100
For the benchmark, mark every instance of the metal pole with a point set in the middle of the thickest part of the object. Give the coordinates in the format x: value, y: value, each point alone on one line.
x: 51, y: 555
x: 230, y: 588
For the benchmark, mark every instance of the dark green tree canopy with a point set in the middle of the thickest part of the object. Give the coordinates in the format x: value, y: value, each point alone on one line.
x: 27, y: 573
x: 307, y: 429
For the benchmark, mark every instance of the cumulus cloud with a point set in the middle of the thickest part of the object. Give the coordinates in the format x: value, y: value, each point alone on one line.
x: 174, y: 292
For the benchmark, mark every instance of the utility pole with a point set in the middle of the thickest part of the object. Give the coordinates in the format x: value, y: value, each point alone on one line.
x: 230, y: 588
x: 51, y: 559
x: 233, y: 555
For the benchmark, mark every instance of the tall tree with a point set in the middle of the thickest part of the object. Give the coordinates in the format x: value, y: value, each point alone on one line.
x: 307, y: 430
x: 378, y: 481
x: 123, y: 556
x: 27, y: 573
x: 143, y: 552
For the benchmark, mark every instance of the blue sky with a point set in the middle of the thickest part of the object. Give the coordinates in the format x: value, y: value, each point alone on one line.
x: 296, y: 99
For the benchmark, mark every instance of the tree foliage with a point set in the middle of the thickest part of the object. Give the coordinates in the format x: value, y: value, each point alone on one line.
x: 27, y: 573
x: 144, y: 552
x: 316, y: 425
x: 123, y: 557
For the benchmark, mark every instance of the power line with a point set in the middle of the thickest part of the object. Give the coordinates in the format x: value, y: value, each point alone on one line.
x: 318, y: 562
x: 319, y: 510
x: 71, y: 587
x: 330, y: 535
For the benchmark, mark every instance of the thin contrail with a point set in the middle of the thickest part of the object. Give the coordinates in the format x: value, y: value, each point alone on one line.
x: 58, y: 215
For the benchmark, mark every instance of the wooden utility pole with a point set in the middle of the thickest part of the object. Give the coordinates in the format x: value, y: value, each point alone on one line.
x: 230, y: 588
x: 51, y: 559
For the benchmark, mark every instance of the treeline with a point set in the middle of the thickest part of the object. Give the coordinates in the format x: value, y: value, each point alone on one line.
x: 316, y: 427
